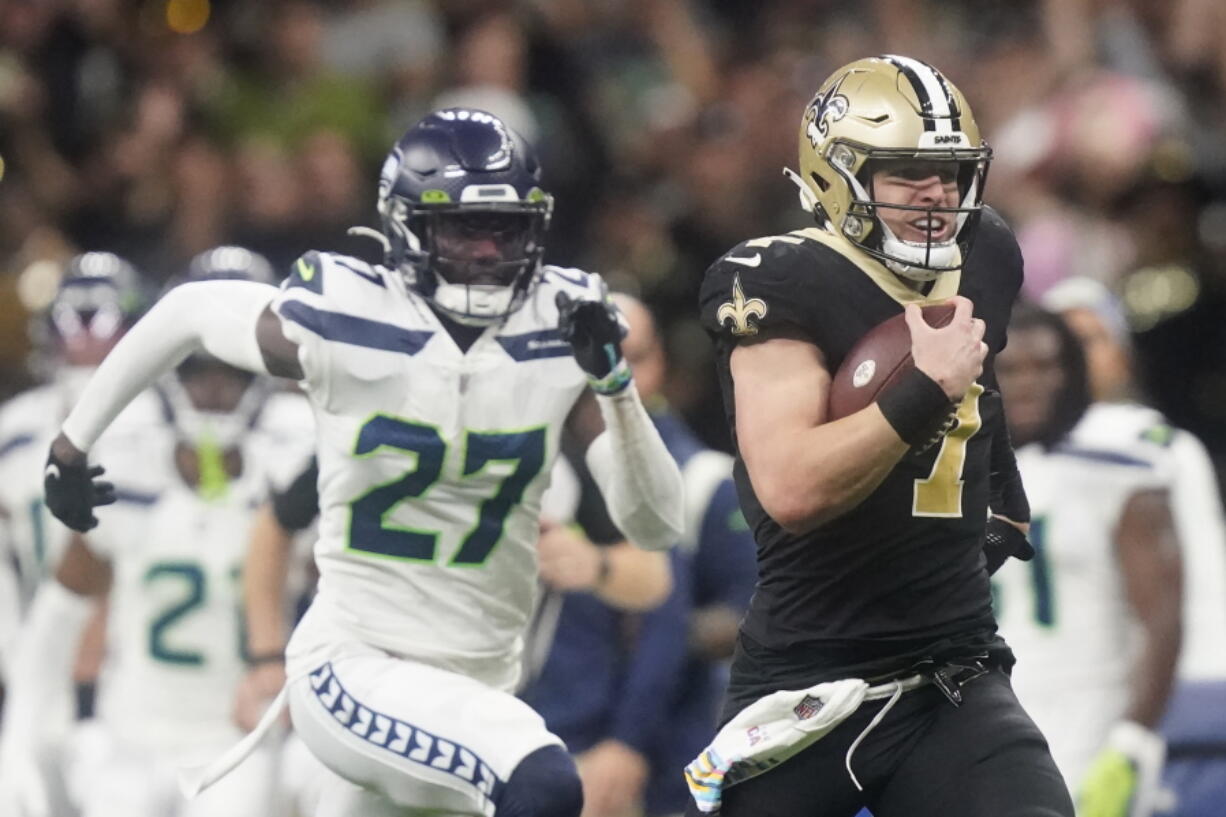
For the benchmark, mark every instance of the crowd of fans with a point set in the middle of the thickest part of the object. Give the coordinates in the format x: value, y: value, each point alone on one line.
x: 159, y: 128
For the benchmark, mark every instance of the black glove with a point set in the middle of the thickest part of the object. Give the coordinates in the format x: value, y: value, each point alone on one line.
x: 1002, y: 540
x: 73, y: 491
x: 595, y: 333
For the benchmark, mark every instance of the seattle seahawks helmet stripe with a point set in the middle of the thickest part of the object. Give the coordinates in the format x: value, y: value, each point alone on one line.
x: 356, y: 331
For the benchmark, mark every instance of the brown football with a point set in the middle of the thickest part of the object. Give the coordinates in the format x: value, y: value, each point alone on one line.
x: 877, y: 360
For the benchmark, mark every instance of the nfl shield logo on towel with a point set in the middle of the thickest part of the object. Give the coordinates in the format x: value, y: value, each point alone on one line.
x: 808, y: 707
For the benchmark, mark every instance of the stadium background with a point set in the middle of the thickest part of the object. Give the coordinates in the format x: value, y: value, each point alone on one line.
x: 159, y: 128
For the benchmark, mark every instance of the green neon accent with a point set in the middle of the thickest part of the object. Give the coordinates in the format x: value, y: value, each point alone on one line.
x: 194, y: 577
x: 435, y: 197
x: 384, y: 540
x: 536, y: 194
x: 1160, y: 434
x: 737, y: 522
x: 305, y: 271
x: 528, y: 454
x: 213, y: 483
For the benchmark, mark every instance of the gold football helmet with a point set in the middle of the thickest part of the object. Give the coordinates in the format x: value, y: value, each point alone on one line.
x: 886, y: 109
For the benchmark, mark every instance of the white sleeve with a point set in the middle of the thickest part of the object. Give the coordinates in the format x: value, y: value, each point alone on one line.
x: 638, y: 478
x: 40, y: 677
x: 217, y: 316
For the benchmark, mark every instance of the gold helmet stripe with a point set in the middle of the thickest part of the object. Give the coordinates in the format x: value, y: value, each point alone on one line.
x: 940, y: 112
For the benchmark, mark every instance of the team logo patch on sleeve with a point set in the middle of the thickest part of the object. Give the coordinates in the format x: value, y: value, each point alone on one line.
x: 739, y: 310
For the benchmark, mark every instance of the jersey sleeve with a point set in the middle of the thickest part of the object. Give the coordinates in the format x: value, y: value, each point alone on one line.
x: 996, y: 248
x: 302, y: 305
x: 758, y: 287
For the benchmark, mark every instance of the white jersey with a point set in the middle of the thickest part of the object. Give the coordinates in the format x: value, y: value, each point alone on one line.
x: 432, y: 462
x: 1196, y: 505
x: 1065, y: 613
x: 28, y: 424
x: 174, y: 623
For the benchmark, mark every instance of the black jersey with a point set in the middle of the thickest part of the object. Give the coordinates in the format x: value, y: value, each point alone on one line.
x: 901, y: 576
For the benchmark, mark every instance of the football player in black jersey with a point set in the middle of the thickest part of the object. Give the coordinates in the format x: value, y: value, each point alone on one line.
x: 876, y: 532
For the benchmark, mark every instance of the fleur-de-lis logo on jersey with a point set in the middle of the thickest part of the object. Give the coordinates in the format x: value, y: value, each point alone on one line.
x: 739, y: 310
x: 825, y: 108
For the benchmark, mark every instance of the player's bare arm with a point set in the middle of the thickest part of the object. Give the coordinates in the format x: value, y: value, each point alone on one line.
x: 264, y: 571
x: 1152, y: 569
x: 807, y: 470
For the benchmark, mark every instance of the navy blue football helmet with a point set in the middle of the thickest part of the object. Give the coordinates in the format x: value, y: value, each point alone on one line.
x: 464, y: 215
x: 211, y: 404
x: 100, y: 294
x: 230, y: 263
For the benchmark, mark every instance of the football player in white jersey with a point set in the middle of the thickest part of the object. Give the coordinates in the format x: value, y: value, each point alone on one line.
x: 441, y: 382
x: 1097, y: 318
x: 1095, y: 617
x: 99, y: 296
x: 167, y: 561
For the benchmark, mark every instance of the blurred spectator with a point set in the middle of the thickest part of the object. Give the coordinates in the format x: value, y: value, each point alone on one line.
x: 291, y: 92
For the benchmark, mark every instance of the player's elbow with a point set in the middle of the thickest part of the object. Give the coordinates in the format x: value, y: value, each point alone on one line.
x: 796, y: 511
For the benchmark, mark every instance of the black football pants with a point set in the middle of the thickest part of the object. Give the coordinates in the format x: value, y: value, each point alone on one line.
x: 927, y: 758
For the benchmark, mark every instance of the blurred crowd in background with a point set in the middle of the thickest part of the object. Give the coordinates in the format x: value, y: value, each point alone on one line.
x: 159, y: 128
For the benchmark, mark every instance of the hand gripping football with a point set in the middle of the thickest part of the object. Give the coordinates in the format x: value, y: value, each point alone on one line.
x: 877, y: 360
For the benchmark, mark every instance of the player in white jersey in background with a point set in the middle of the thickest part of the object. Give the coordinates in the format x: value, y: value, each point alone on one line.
x: 441, y: 383
x: 1095, y: 617
x: 1097, y: 318
x: 168, y: 563
x: 99, y: 296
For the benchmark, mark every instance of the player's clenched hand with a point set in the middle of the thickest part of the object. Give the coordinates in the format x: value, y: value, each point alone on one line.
x: 951, y: 355
x: 72, y: 487
x: 567, y: 560
x: 614, y: 776
x: 594, y: 330
x: 255, y: 692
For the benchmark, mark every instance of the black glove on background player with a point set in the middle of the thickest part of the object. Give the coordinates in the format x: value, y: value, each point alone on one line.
x: 595, y: 332
x: 74, y: 490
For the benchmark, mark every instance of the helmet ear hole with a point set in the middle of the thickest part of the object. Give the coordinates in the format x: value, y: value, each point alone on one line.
x: 821, y: 183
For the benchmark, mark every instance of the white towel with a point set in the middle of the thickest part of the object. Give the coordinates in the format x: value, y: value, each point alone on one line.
x: 768, y: 732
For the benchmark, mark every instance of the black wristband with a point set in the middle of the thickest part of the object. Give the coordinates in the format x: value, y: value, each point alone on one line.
x: 273, y: 657
x: 916, y: 407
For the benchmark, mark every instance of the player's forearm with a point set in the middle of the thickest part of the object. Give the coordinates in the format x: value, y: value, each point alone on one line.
x: 1156, y: 671
x: 264, y: 572
x: 807, y: 479
x: 217, y: 316
x: 638, y: 478
x: 635, y: 579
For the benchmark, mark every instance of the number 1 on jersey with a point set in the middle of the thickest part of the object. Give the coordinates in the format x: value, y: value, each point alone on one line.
x: 941, y: 493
